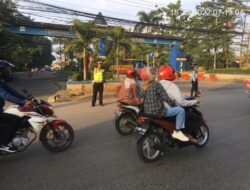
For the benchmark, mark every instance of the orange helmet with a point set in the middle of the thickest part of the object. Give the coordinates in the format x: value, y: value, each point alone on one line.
x: 147, y: 73
x: 166, y: 72
x: 131, y: 73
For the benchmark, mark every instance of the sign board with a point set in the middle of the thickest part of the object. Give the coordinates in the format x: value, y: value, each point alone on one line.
x: 181, y: 59
x: 121, y: 68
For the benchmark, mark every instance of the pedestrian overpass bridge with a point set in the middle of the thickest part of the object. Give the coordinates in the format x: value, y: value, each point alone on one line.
x: 66, y: 31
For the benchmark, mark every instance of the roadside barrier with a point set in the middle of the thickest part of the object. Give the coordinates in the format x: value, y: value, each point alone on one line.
x: 185, y: 76
x: 201, y: 76
x: 177, y: 76
x: 212, y: 77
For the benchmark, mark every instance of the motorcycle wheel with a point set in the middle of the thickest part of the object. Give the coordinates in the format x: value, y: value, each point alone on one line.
x: 57, y: 139
x: 202, y: 135
x: 125, y: 124
x: 145, y: 147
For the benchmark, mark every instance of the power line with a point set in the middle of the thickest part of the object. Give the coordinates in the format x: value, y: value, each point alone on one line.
x: 112, y: 12
x: 31, y: 14
x: 152, y: 2
x: 128, y: 5
x: 139, y: 3
x: 49, y: 16
x: 126, y: 21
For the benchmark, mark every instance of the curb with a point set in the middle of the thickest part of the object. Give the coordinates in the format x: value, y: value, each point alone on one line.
x: 53, y: 99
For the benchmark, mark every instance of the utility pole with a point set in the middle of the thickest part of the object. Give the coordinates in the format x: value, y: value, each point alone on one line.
x: 215, y: 48
x: 242, y: 38
x: 248, y: 43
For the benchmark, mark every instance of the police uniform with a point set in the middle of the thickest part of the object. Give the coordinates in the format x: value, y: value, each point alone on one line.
x: 194, y: 89
x: 99, y: 81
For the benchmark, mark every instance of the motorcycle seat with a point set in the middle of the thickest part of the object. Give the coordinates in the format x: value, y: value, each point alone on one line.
x: 154, y: 117
x: 123, y: 103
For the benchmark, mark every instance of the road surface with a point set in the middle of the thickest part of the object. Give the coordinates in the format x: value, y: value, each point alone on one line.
x: 101, y: 159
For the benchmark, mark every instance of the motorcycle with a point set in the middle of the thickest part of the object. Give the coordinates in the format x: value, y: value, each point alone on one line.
x: 153, y: 135
x: 126, y: 118
x: 38, y: 120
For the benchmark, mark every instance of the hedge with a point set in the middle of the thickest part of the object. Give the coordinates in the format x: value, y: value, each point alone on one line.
x: 230, y: 71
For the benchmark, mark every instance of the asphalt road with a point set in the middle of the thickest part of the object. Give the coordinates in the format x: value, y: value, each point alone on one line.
x: 101, y: 159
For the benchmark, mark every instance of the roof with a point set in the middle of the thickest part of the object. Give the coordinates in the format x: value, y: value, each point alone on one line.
x: 99, y: 19
x: 45, y: 25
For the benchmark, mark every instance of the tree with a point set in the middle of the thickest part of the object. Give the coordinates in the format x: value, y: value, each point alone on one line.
x: 153, y: 17
x: 175, y: 17
x: 25, y: 52
x: 119, y: 39
x: 8, y: 12
x: 82, y: 41
x: 219, y: 19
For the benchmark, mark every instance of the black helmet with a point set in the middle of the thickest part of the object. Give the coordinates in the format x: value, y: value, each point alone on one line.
x: 5, y: 70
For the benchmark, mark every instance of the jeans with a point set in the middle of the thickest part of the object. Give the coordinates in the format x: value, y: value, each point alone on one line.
x: 179, y: 112
x: 8, y: 125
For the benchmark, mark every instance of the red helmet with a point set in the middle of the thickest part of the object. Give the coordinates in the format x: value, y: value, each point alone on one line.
x: 166, y: 72
x: 147, y: 73
x: 131, y: 73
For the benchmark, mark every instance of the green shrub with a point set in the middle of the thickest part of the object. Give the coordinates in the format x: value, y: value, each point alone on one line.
x: 108, y: 75
x: 75, y: 76
x: 230, y: 71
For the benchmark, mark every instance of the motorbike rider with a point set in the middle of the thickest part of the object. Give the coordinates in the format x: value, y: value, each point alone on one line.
x: 166, y: 75
x: 129, y: 92
x: 154, y: 97
x: 8, y: 122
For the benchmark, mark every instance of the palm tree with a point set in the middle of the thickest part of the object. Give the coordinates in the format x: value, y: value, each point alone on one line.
x: 153, y: 17
x: 119, y: 40
x: 84, y: 36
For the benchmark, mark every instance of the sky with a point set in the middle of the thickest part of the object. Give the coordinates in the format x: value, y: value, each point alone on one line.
x: 126, y: 9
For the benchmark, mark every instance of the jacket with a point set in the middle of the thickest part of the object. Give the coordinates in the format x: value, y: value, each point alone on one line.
x: 175, y: 94
x: 9, y: 94
x: 129, y: 92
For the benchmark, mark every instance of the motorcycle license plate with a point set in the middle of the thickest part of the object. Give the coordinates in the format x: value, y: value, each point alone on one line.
x: 141, y: 129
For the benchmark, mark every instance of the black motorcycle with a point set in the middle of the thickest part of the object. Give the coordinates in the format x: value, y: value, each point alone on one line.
x: 126, y: 118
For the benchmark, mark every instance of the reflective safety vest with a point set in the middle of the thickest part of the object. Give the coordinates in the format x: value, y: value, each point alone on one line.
x: 98, y: 75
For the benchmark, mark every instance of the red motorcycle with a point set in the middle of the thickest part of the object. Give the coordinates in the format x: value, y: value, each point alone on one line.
x: 154, y: 134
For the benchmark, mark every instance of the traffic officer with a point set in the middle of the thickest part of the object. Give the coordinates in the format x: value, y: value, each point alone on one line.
x: 98, y: 86
x: 194, y: 89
